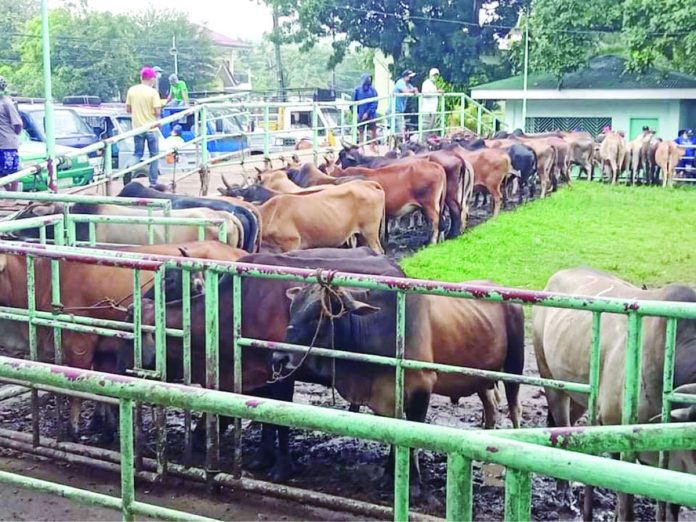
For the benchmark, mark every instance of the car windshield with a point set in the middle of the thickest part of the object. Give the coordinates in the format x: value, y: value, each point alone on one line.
x: 227, y: 123
x: 125, y: 123
x: 67, y: 123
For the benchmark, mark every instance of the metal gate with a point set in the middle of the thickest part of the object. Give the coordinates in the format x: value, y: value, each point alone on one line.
x: 522, y: 452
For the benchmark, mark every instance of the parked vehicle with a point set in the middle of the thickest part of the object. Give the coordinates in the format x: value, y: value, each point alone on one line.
x: 76, y: 172
x: 70, y: 129
x: 225, y: 129
x: 107, y: 122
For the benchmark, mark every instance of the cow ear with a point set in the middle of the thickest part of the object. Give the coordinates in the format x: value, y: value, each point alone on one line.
x: 359, y: 308
x: 291, y: 293
x: 3, y: 262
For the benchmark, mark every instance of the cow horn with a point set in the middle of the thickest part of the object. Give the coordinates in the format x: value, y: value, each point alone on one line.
x: 686, y: 388
x: 684, y: 414
x: 222, y: 191
x: 258, y: 170
x: 183, y: 251
x: 346, y: 145
x: 225, y: 182
x: 295, y: 158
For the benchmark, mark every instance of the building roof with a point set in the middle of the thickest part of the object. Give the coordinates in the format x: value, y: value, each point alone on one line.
x: 222, y: 40
x: 603, y: 73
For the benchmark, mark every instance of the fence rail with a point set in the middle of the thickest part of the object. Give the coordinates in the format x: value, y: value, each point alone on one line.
x: 661, y: 438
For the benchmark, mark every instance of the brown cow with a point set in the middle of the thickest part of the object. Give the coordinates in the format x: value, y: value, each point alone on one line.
x: 491, y: 167
x: 477, y: 334
x: 107, y: 291
x: 562, y: 341
x: 438, y: 329
x: 325, y: 218
x: 580, y: 151
x: 667, y: 156
x: 612, y: 152
x: 414, y: 184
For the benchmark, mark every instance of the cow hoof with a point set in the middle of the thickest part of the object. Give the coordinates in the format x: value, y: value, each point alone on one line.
x: 283, y: 470
x: 262, y: 461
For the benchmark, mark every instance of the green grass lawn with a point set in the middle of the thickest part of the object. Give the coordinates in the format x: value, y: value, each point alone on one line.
x: 645, y: 235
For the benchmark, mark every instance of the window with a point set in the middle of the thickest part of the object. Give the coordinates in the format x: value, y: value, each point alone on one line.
x: 549, y: 124
x: 67, y: 123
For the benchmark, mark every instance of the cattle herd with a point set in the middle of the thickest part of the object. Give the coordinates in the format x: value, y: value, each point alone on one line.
x: 303, y: 216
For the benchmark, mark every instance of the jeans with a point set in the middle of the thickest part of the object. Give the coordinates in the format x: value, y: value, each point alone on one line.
x: 153, y: 149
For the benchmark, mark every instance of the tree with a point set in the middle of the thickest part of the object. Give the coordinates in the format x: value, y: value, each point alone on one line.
x: 99, y: 53
x: 418, y: 34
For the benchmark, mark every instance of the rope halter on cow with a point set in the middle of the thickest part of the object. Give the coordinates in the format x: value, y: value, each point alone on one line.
x: 326, y: 292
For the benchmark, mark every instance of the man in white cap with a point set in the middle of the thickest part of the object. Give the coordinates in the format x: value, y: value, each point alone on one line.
x: 429, y: 103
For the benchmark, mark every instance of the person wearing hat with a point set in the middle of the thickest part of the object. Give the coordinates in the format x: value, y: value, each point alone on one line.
x: 143, y: 102
x: 686, y: 140
x: 10, y: 128
x: 429, y: 103
x: 403, y: 86
x: 178, y: 91
x: 367, y: 111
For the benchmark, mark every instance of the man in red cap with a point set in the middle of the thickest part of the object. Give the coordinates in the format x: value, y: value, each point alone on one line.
x: 144, y: 103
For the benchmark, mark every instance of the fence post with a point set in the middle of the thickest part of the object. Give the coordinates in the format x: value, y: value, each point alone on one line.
x: 459, y: 488
x: 478, y: 119
x: 127, y: 475
x: 205, y: 173
x: 212, y: 377
x: 354, y: 127
x: 266, y: 130
x: 420, y: 119
x: 33, y: 346
x: 518, y: 495
x: 443, y: 114
x: 237, y: 369
x: 392, y: 105
x: 667, y: 387
x: 160, y: 366
x: 462, y: 111
x: 315, y: 131
x: 108, y: 166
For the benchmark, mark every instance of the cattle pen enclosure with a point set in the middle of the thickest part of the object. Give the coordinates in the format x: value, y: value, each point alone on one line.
x: 521, y: 450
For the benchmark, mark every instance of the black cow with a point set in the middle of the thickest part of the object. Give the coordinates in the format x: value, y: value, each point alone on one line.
x: 245, y: 216
x: 266, y: 317
x: 257, y: 194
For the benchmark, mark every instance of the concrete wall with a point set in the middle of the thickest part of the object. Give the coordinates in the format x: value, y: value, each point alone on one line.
x: 668, y: 112
x: 382, y: 79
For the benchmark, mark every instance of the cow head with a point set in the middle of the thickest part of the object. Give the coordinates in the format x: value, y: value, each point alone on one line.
x: 349, y: 156
x: 317, y: 313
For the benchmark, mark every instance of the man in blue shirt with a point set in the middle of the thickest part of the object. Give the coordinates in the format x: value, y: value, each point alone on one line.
x: 403, y: 86
x: 686, y: 139
x: 367, y: 112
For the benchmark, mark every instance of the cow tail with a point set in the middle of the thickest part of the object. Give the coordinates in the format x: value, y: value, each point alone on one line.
x: 384, y: 228
x: 514, y: 360
x: 443, y: 198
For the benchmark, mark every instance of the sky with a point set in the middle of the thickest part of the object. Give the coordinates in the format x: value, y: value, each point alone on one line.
x: 244, y: 19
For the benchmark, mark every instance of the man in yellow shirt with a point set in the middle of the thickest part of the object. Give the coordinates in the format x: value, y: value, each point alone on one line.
x: 144, y: 103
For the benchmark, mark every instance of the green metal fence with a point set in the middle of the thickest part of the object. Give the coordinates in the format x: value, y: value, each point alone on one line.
x: 455, y: 111
x: 667, y: 437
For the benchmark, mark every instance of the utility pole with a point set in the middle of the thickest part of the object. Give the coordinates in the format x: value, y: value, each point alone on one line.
x: 175, y: 53
x: 526, y: 69
x: 49, y: 124
x: 278, y: 57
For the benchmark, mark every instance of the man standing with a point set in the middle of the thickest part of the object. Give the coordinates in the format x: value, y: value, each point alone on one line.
x: 143, y: 102
x: 429, y: 104
x: 10, y: 127
x: 403, y: 86
x: 367, y: 111
x: 178, y: 91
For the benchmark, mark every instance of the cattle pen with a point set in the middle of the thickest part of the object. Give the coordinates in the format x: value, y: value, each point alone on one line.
x: 553, y: 452
x: 144, y: 452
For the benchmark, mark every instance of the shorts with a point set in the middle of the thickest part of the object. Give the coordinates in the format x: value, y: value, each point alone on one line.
x: 369, y: 125
x: 9, y: 162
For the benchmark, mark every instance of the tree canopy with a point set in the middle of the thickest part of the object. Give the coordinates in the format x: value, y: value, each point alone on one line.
x: 100, y: 53
x: 448, y: 34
